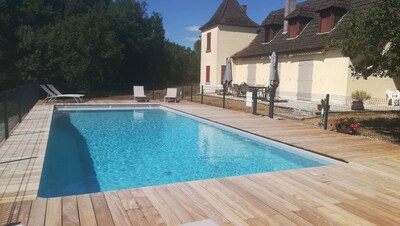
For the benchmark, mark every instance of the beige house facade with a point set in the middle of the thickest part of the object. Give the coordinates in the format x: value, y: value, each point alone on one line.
x: 218, y: 43
x: 298, y: 34
x: 227, y: 32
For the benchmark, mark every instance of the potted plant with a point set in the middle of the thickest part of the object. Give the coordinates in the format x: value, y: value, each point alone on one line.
x: 358, y: 100
x: 322, y: 105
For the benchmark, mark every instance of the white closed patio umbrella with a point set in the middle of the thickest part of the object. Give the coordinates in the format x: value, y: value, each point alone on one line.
x: 228, y: 72
x: 272, y: 69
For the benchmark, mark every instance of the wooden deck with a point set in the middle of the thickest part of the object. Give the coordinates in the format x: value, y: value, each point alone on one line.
x: 364, y: 191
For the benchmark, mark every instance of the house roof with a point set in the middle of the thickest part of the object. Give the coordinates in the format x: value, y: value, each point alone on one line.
x: 308, y: 40
x: 230, y: 13
x: 301, y: 11
x: 275, y: 17
x: 345, y: 4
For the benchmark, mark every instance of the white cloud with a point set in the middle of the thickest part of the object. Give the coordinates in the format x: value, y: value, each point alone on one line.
x: 193, y: 28
x: 190, y: 39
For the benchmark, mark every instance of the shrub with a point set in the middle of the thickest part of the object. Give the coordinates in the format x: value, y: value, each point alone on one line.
x: 360, y: 95
x: 346, y: 125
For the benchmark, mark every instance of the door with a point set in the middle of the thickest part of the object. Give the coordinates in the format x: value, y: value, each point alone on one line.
x: 251, y: 74
x: 305, y: 80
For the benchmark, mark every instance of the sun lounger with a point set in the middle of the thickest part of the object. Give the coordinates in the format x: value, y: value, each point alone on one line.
x: 51, y: 95
x: 172, y: 94
x: 138, y: 94
x: 52, y: 88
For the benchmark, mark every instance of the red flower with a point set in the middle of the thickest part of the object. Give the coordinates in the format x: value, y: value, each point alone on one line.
x: 350, y: 131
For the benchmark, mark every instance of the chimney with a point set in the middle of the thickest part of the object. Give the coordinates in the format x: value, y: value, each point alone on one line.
x: 290, y: 6
x: 244, y: 7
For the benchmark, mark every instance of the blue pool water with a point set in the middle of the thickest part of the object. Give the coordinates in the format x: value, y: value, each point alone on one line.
x: 99, y: 150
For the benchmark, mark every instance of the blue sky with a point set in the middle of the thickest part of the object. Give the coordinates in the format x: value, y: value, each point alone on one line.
x: 182, y: 17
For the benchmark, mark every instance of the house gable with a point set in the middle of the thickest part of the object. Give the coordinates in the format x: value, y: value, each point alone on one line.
x: 230, y: 13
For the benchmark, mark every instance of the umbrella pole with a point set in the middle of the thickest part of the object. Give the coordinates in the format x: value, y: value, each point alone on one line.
x: 223, y: 96
x: 272, y: 101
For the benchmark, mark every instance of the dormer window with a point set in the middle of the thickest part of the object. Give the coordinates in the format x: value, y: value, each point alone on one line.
x: 326, y: 23
x: 330, y: 15
x: 293, y: 30
x: 298, y: 20
x: 271, y: 31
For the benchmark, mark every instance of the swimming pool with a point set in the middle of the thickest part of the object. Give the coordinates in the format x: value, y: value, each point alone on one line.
x: 92, y: 149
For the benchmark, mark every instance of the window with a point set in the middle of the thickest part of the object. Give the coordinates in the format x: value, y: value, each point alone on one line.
x: 271, y: 31
x: 208, y: 42
x: 223, y: 69
x: 269, y: 34
x: 207, y: 74
x: 326, y: 23
x: 293, y: 28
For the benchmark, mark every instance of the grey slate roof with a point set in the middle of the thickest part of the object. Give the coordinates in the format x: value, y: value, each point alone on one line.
x: 301, y: 11
x: 308, y: 40
x: 275, y: 17
x: 230, y: 13
x: 345, y: 4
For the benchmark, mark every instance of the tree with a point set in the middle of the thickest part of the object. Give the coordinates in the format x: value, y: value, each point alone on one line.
x: 372, y: 40
x: 93, y: 45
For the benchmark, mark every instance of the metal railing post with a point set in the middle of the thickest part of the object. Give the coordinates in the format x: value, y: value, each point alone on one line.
x: 326, y: 112
x: 6, y: 131
x: 223, y: 97
x: 254, y: 97
x: 19, y: 95
x: 202, y: 93
x: 191, y: 92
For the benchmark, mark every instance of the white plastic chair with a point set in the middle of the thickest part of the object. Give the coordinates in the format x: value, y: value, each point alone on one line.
x: 138, y: 93
x: 397, y: 97
x: 52, y: 96
x: 393, y: 97
x: 172, y: 93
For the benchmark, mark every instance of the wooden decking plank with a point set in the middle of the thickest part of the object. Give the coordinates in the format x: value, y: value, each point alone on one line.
x: 234, y: 200
x: 70, y: 216
x: 282, y: 206
x: 303, y: 191
x: 101, y: 210
x: 141, y: 198
x: 85, y: 210
x: 313, y: 218
x: 117, y: 210
x: 24, y: 212
x: 162, y: 207
x: 217, y: 204
x: 137, y: 218
x: 367, y: 214
x: 127, y: 200
x: 38, y: 212
x: 322, y: 188
x: 248, y: 196
x: 54, y: 212
x: 179, y: 211
x: 204, y: 206
x: 290, y: 194
x: 153, y: 217
x: 187, y: 202
x: 5, y: 212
